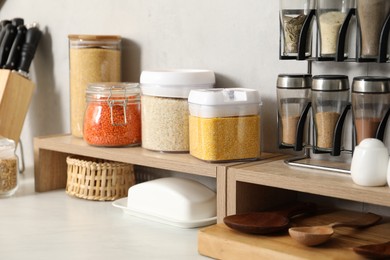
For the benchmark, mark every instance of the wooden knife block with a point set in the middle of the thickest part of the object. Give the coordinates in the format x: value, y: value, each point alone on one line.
x: 15, y: 96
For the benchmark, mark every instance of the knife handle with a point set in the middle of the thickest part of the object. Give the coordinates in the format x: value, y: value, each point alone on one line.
x: 33, y: 35
x: 17, y: 21
x: 6, y: 43
x: 3, y: 23
x: 14, y: 54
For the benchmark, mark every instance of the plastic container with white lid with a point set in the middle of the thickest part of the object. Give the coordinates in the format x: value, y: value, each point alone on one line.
x: 224, y: 124
x: 164, y: 109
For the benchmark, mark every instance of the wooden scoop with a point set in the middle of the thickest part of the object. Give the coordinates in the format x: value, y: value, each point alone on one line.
x: 316, y: 235
x: 267, y: 222
x: 375, y: 251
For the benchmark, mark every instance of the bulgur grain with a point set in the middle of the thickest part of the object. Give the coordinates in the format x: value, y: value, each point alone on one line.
x: 289, y: 127
x: 8, y: 175
x: 325, y: 126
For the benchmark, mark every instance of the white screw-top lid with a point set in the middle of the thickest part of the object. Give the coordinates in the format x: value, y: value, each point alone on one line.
x: 222, y: 102
x: 176, y: 82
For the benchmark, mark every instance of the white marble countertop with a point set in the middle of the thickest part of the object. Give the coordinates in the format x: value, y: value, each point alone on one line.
x: 53, y: 225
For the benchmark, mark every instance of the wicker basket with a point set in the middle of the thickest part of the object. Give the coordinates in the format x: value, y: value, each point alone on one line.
x: 98, y: 180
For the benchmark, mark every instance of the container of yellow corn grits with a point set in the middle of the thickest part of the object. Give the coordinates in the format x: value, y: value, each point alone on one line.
x: 224, y: 124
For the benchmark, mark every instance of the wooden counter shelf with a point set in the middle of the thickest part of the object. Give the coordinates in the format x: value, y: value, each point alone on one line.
x: 50, y: 154
x: 278, y: 178
x: 255, y: 187
x: 221, y: 242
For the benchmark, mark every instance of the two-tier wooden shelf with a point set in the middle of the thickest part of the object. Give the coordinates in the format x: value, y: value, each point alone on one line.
x: 241, y: 187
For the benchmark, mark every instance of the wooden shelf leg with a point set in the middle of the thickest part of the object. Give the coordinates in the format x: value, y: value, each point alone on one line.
x: 49, y: 170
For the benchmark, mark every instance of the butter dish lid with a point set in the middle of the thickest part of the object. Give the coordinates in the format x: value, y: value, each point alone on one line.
x: 176, y: 83
x: 175, y: 201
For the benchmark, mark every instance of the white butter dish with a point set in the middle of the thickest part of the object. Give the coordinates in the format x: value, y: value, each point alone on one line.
x: 175, y: 201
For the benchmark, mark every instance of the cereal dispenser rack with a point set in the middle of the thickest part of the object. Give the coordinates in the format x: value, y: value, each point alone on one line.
x: 327, y: 98
x: 328, y: 26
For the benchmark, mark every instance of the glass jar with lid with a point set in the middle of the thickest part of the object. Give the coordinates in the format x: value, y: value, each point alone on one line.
x: 92, y: 58
x: 113, y: 114
x: 165, y: 106
x: 8, y: 167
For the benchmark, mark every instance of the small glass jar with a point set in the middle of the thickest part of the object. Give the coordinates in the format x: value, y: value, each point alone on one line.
x: 293, y: 94
x: 8, y: 168
x: 165, y: 107
x: 113, y: 114
x: 330, y: 97
x: 92, y: 58
x: 224, y: 124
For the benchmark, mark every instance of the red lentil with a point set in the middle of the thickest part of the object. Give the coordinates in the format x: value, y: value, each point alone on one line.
x: 112, y: 124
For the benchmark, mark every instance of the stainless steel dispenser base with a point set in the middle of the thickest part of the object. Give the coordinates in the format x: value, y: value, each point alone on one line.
x: 306, y: 161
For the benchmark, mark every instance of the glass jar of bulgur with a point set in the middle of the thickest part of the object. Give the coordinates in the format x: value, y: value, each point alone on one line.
x: 92, y: 58
x: 165, y: 107
x: 224, y: 124
x: 8, y: 168
x: 113, y: 114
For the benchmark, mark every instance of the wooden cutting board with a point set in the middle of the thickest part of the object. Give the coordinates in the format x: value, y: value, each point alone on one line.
x: 221, y: 242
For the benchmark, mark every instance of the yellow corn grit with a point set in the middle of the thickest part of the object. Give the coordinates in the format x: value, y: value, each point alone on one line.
x: 225, y: 138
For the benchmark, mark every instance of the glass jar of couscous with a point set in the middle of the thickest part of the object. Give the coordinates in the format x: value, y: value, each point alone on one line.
x: 92, y: 58
x: 164, y: 108
x: 224, y: 124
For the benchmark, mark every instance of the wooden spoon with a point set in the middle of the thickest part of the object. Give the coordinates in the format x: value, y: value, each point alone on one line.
x: 267, y: 222
x: 375, y: 251
x: 316, y: 235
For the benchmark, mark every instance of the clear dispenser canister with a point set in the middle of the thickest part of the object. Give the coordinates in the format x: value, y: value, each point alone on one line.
x: 293, y: 94
x: 92, y: 58
x: 371, y: 15
x: 293, y: 15
x: 370, y: 103
x: 331, y: 16
x: 330, y: 97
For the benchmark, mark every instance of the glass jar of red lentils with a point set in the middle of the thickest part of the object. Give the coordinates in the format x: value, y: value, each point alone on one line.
x: 113, y: 114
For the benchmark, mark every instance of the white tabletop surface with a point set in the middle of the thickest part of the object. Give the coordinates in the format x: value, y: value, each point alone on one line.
x: 53, y: 225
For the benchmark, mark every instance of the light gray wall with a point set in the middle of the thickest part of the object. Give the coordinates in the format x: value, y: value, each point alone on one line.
x: 239, y: 40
